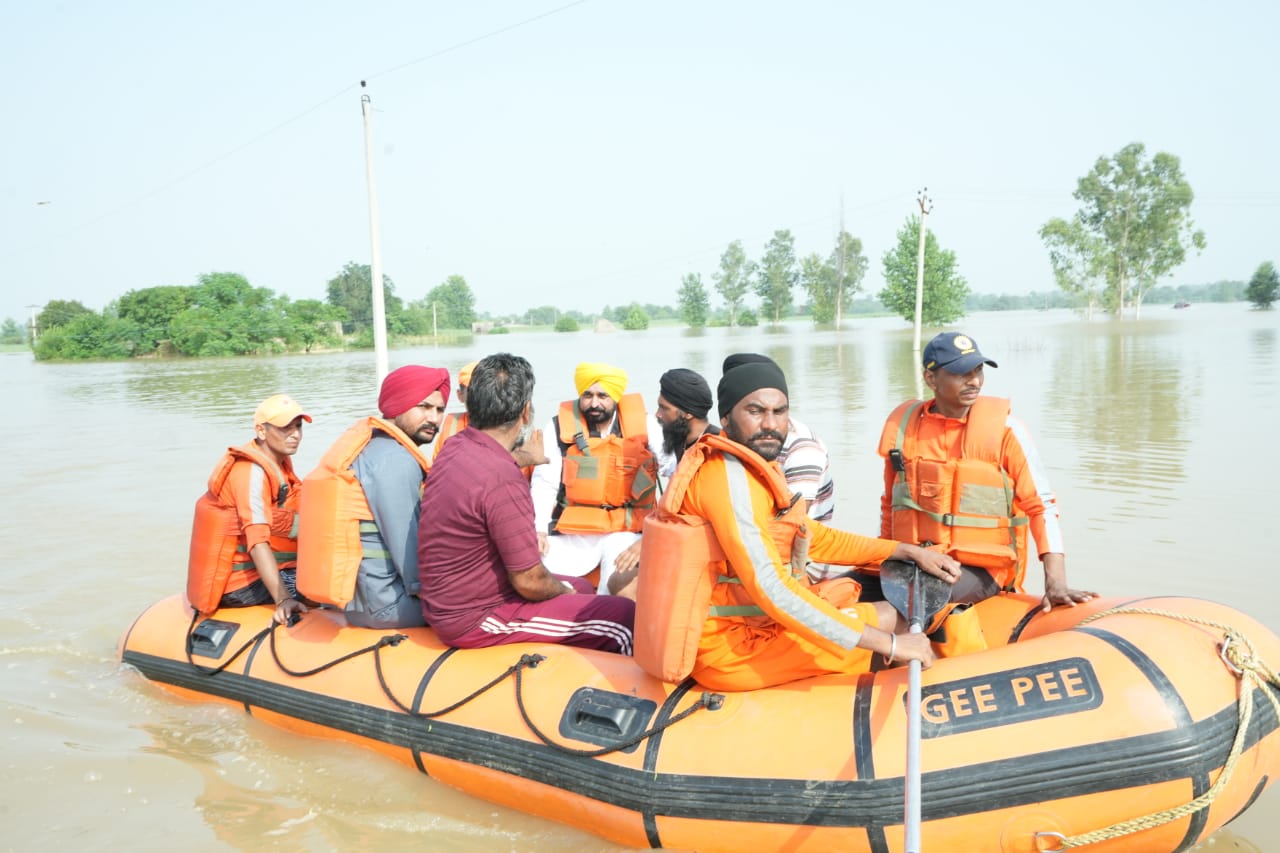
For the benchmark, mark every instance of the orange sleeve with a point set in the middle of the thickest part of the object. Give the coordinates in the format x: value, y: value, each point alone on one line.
x: 255, y: 526
x: 828, y: 545
x: 738, y: 508
x: 886, y: 499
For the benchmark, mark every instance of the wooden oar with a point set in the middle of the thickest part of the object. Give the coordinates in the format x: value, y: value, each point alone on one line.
x: 918, y: 596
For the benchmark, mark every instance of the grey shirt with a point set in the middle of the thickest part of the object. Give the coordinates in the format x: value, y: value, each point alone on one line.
x: 387, y: 585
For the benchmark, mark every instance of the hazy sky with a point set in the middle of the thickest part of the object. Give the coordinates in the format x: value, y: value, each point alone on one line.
x: 592, y: 153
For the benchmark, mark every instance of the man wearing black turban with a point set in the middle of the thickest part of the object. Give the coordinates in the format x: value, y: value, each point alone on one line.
x: 772, y: 624
x: 684, y: 399
x: 804, y: 460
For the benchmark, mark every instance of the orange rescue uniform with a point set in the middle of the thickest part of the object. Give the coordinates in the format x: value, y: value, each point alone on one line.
x: 230, y: 520
x: 968, y: 486
x: 768, y: 624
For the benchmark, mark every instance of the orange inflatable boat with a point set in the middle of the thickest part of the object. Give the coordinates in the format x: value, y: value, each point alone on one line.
x: 1117, y: 725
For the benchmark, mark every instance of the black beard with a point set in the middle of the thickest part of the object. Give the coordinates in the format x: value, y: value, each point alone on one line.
x: 770, y: 455
x: 675, y: 436
x: 596, y: 417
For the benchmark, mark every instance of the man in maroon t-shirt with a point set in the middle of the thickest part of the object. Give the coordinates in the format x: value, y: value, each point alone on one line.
x: 482, y: 578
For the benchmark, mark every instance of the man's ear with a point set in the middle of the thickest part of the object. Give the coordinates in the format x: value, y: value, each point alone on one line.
x: 526, y: 414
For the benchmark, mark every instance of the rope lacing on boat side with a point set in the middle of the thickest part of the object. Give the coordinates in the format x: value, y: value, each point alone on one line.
x: 1241, y: 659
x: 527, y: 661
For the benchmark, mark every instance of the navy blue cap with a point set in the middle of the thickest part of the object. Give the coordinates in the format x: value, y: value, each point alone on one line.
x: 954, y: 353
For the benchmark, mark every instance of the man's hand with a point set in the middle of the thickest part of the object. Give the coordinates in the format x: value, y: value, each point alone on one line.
x: 914, y: 647
x: 628, y: 558
x: 932, y: 562
x: 531, y: 452
x: 1056, y: 590
x: 287, y: 608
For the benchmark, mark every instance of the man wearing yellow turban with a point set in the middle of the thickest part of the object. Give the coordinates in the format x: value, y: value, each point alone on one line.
x: 591, y: 499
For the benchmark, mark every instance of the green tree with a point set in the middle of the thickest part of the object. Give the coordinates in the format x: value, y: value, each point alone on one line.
x: 850, y: 267
x: 944, y: 289
x: 230, y: 317
x: 455, y: 303
x: 59, y: 312
x: 352, y: 289
x: 636, y: 319
x: 566, y: 323
x: 694, y: 304
x: 152, y: 308
x: 1264, y: 286
x: 733, y: 277
x: 818, y: 279
x: 777, y: 275
x: 544, y: 315
x: 1078, y: 260
x: 11, y: 333
x: 89, y: 335
x: 311, y: 323
x: 1134, y: 222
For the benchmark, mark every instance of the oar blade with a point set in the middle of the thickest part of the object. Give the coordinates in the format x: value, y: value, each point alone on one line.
x: 896, y: 578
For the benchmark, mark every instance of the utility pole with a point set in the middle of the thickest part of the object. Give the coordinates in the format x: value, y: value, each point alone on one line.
x: 926, y: 207
x: 840, y: 266
x: 34, y: 337
x: 377, y: 297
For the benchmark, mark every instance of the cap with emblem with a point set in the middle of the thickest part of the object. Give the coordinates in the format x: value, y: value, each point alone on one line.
x: 954, y: 353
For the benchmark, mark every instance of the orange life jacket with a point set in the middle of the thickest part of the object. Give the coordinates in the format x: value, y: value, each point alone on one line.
x: 453, y: 423
x: 218, y: 561
x: 964, y: 504
x: 607, y: 483
x: 335, y: 512
x: 683, y: 569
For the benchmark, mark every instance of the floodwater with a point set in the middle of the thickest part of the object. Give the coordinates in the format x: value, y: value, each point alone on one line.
x: 1158, y: 434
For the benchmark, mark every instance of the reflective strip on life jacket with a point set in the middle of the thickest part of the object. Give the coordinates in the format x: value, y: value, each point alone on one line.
x: 681, y: 565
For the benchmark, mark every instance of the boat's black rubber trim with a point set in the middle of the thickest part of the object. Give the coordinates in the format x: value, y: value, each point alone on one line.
x: 870, y: 803
x: 651, y: 750
x: 248, y: 666
x: 1177, y: 708
x: 422, y: 691
x: 863, y: 753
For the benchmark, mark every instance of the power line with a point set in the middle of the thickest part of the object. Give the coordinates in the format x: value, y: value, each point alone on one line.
x: 313, y: 108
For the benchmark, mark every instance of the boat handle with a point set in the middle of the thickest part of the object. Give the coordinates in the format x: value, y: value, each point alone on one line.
x: 1061, y: 839
x: 1222, y: 653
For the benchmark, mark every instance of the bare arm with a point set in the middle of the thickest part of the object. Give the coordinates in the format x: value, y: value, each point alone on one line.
x: 537, y: 584
x: 1056, y: 590
x: 264, y: 560
x: 894, y: 646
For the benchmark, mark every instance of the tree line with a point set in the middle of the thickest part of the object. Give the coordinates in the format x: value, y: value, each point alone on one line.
x: 1132, y: 229
x: 223, y: 314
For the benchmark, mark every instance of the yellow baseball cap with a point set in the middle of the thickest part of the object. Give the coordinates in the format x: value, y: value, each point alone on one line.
x: 279, y: 410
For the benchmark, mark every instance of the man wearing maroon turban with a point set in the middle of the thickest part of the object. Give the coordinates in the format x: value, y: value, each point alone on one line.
x: 378, y: 462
